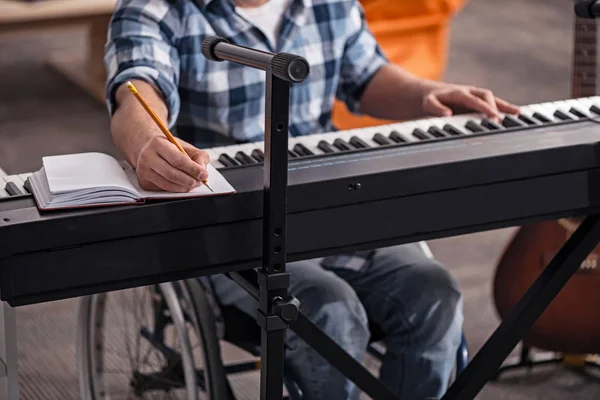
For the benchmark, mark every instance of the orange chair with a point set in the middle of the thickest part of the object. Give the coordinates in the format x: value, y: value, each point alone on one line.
x: 413, y: 34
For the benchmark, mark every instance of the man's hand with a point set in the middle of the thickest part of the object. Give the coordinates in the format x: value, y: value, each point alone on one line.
x: 396, y: 94
x: 158, y: 163
x: 453, y: 99
x: 161, y: 166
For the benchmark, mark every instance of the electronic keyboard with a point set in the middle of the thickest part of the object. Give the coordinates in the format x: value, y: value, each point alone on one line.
x: 345, y: 142
x: 348, y: 190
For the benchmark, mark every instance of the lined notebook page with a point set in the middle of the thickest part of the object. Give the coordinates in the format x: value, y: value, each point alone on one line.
x: 71, y: 172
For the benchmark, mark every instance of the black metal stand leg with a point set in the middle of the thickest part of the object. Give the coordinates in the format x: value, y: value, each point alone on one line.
x: 273, y: 280
x: 324, y: 345
x: 531, y: 306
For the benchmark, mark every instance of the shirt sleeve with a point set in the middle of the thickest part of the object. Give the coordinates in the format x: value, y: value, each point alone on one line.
x: 361, y: 59
x: 141, y: 45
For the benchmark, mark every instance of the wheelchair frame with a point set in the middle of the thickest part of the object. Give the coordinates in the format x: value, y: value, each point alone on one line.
x: 205, y: 318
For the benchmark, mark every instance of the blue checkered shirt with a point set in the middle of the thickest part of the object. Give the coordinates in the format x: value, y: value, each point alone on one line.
x: 221, y: 103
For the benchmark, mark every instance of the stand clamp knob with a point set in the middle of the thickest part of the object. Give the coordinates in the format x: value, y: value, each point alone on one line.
x: 286, y: 309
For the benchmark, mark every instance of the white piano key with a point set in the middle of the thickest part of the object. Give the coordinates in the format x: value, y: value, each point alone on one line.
x: 542, y: 110
x: 564, y: 107
x: 573, y: 103
x: 16, y: 180
x: 3, y: 193
x: 311, y: 142
x: 405, y: 130
x: 248, y: 148
x: 551, y: 107
x: 367, y: 134
x: 584, y: 104
x: 25, y: 176
x: 214, y: 157
x: 460, y: 121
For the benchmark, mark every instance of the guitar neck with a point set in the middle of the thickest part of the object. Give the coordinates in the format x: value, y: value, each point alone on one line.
x: 583, y: 81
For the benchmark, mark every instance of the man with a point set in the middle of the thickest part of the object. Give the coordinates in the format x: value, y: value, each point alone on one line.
x: 156, y: 44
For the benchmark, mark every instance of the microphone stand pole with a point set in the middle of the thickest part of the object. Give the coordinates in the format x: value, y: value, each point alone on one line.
x: 276, y: 308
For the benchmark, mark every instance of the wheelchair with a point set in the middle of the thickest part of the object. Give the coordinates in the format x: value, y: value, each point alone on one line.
x: 172, y: 334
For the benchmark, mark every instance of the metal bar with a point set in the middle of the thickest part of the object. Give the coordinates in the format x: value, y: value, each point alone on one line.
x: 244, y: 55
x: 9, y: 372
x: 273, y: 280
x: 340, y: 359
x: 538, y: 297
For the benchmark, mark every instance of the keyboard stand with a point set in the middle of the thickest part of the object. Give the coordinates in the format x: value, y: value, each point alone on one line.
x: 9, y: 373
x: 276, y: 309
x: 485, y: 364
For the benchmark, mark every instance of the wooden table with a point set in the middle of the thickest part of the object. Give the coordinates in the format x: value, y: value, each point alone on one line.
x: 85, y: 69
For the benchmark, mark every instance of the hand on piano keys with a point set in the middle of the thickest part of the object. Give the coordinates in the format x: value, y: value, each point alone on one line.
x: 423, y: 130
x: 452, y: 99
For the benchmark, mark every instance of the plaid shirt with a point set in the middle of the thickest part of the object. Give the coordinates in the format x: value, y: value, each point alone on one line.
x: 221, y: 103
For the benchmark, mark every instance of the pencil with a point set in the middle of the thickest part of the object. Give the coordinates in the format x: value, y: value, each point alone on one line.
x: 160, y: 124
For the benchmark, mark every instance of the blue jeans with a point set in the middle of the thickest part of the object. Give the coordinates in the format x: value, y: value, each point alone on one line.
x: 413, y: 299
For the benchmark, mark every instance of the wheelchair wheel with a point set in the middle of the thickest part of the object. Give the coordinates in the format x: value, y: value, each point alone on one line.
x: 146, y: 343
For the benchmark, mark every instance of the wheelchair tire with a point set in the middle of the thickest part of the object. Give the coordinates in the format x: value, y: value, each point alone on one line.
x: 98, y: 327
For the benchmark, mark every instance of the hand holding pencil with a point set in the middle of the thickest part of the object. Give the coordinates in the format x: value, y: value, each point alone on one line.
x: 162, y: 168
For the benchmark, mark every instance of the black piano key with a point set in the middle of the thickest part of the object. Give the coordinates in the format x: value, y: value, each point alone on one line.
x: 326, y: 147
x: 341, y: 145
x: 577, y: 112
x: 421, y: 134
x: 527, y: 120
x: 511, y: 122
x: 13, y: 189
x: 27, y: 186
x: 291, y: 154
x: 244, y: 158
x: 227, y: 161
x: 562, y: 116
x: 381, y: 140
x: 595, y: 109
x: 452, y: 130
x: 491, y: 125
x: 396, y: 137
x: 258, y: 155
x: 541, y: 117
x: 358, y: 143
x: 474, y: 126
x: 301, y: 150
x: 437, y: 132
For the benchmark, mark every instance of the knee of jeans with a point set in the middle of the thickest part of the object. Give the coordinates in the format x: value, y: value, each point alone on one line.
x: 331, y: 303
x: 442, y: 316
x: 435, y: 313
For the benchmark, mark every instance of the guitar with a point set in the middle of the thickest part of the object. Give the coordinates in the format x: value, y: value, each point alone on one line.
x: 571, y: 324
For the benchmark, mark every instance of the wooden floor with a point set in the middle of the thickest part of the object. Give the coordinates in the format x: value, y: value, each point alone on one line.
x: 520, y: 49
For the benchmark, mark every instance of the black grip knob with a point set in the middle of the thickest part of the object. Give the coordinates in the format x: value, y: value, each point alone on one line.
x: 286, y: 309
x: 290, y: 67
x: 208, y: 47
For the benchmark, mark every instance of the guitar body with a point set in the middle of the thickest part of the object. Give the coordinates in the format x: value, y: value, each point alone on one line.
x: 571, y: 324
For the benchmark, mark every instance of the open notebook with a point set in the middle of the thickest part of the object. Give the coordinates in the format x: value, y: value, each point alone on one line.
x: 97, y: 179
